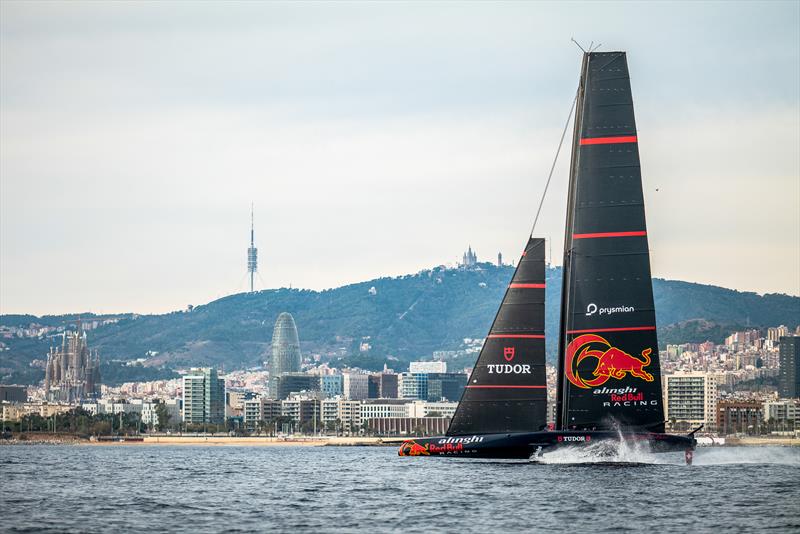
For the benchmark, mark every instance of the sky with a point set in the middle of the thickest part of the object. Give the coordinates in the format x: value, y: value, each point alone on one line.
x: 374, y: 139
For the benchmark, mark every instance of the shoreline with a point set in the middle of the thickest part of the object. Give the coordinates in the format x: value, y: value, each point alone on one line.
x: 307, y: 441
x: 220, y: 441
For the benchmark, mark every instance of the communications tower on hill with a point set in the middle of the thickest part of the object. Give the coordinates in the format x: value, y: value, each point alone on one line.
x: 252, y: 253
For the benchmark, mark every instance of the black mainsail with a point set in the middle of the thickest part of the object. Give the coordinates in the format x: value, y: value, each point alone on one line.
x: 609, y: 371
x: 507, y: 390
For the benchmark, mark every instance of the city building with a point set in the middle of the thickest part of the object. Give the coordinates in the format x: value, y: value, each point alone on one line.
x: 331, y: 385
x: 203, y: 396
x: 16, y: 411
x: 407, y: 426
x: 13, y: 393
x: 344, y: 415
x: 355, y: 386
x: 330, y: 411
x: 446, y: 386
x: 305, y: 412
x: 388, y: 386
x: 740, y: 417
x: 149, y: 411
x: 427, y: 367
x: 374, y: 387
x: 382, y: 386
x: 432, y: 386
x: 789, y: 373
x: 775, y: 333
x: 431, y: 409
x: 234, y: 401
x: 11, y: 411
x: 413, y: 386
x: 384, y: 408
x: 72, y: 372
x: 782, y: 414
x: 286, y: 357
x: 691, y: 400
x: 287, y: 383
x: 260, y: 410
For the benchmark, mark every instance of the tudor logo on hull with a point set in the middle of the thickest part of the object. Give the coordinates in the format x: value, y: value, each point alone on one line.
x: 611, y: 362
x: 574, y: 439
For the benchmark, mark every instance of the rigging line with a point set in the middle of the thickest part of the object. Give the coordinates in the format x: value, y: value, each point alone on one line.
x: 555, y: 160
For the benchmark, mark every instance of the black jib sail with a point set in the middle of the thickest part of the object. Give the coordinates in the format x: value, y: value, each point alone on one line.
x: 609, y: 371
x: 507, y: 390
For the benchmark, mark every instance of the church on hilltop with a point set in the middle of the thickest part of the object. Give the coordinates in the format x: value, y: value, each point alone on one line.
x: 470, y: 259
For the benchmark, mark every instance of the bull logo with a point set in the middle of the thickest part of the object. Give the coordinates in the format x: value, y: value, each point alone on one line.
x: 508, y: 353
x: 611, y: 361
x: 412, y: 448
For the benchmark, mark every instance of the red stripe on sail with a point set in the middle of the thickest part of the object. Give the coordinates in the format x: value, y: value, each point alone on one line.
x: 640, y: 233
x: 508, y: 387
x: 626, y: 329
x: 526, y: 286
x: 608, y: 140
x: 516, y: 336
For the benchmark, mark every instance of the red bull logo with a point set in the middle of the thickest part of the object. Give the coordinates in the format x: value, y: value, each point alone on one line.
x: 412, y: 448
x: 611, y: 361
x: 447, y: 448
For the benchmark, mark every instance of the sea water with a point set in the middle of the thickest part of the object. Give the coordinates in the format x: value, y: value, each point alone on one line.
x: 197, y: 489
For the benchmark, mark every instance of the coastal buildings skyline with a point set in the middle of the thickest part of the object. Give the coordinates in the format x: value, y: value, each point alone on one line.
x: 703, y: 383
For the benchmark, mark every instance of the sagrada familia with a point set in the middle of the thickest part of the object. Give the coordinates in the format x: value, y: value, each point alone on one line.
x: 73, y: 371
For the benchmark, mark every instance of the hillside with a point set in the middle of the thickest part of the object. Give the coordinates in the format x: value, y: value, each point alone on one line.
x: 404, y: 318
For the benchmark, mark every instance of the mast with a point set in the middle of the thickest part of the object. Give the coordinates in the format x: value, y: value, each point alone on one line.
x: 609, y: 372
x: 566, y: 268
x: 507, y: 389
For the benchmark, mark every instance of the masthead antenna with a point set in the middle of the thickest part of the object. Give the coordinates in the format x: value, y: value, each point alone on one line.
x: 578, y: 44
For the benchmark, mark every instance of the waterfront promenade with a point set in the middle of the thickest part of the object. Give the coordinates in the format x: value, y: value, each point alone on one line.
x: 205, y: 440
x: 310, y: 441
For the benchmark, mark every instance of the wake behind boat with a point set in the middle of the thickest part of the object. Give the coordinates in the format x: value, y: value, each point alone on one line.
x: 609, y: 375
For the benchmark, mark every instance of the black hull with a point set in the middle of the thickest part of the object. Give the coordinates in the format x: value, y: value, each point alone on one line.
x: 525, y: 445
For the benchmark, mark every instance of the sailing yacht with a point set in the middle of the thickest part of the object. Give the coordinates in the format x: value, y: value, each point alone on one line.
x: 609, y: 376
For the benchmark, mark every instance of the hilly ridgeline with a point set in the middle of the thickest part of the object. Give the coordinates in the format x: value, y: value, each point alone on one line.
x: 402, y: 319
